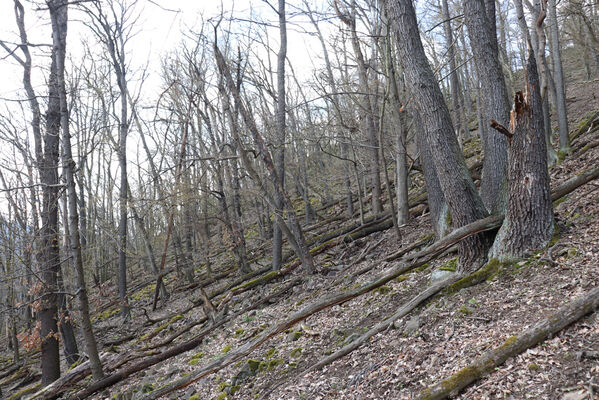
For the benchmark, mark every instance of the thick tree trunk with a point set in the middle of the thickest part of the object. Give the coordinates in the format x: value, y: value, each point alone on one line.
x: 480, y: 20
x: 454, y: 177
x: 529, y: 216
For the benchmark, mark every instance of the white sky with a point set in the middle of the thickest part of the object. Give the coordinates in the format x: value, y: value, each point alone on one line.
x: 158, y: 31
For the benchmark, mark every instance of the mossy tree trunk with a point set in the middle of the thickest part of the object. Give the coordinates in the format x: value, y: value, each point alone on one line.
x: 528, y: 222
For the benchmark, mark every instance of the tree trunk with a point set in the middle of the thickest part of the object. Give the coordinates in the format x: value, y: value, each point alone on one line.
x: 50, y: 257
x: 562, y: 117
x: 454, y: 83
x: 480, y: 20
x: 439, y: 210
x: 454, y: 177
x: 528, y: 220
x: 277, y: 243
x: 59, y: 15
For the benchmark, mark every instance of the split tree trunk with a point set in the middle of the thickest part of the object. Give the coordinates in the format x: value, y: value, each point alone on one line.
x: 528, y: 220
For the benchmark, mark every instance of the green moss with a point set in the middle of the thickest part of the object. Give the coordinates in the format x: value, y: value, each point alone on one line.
x: 426, y: 236
x: 533, y: 367
x: 147, y: 388
x: 272, y: 364
x: 145, y: 292
x: 559, y: 201
x: 270, y: 352
x: 104, y: 315
x: 196, y: 358
x: 450, y: 265
x: 401, y: 278
x: 226, y: 349
x: 289, y: 367
x: 421, y: 268
x: 162, y: 327
x: 448, y: 219
x: 23, y: 392
x: 234, y: 388
x: 221, y: 396
x: 487, y: 272
x: 239, y: 332
x: 384, y: 289
x: 75, y: 364
x: 255, y: 282
x: 295, y: 353
x: 222, y: 386
x: 465, y: 310
x: 194, y: 397
x: 296, y: 335
x: 254, y: 366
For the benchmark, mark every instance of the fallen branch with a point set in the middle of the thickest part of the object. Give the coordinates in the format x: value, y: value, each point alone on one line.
x: 573, y: 183
x: 513, y: 346
x: 386, y: 324
x: 148, y: 362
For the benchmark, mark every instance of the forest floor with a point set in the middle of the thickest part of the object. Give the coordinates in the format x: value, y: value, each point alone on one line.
x: 431, y: 343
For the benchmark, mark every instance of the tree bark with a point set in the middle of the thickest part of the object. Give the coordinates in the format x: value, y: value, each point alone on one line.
x: 529, y: 216
x: 279, y: 159
x: 454, y: 177
x: 480, y: 20
x: 49, y: 230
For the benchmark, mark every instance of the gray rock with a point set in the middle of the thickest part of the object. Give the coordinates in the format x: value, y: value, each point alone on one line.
x: 190, y: 392
x: 339, y: 267
x: 440, y: 274
x: 412, y: 325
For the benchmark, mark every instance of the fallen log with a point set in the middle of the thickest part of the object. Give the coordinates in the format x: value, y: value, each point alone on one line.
x: 584, y: 126
x: 573, y: 183
x: 513, y: 346
x: 386, y: 323
x: 427, y: 254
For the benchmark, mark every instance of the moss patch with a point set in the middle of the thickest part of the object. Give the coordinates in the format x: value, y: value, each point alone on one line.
x: 487, y: 272
x: 255, y: 282
x: 104, y: 315
x: 162, y: 327
x: 145, y: 292
x: 226, y: 349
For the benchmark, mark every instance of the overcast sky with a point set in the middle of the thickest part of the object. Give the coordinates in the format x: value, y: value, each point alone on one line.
x: 160, y: 29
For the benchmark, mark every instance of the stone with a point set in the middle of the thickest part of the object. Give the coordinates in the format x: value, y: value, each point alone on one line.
x: 412, y: 325
x: 440, y: 274
x: 190, y: 392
